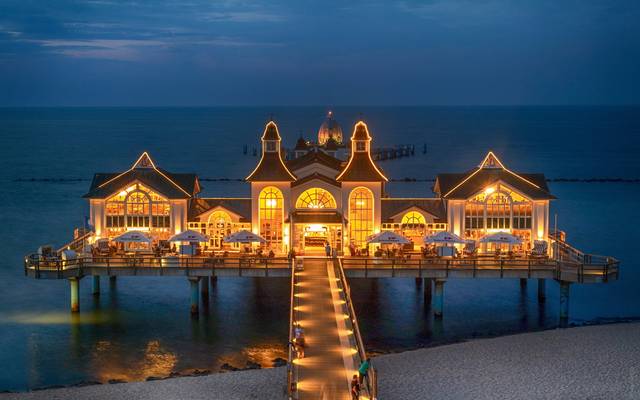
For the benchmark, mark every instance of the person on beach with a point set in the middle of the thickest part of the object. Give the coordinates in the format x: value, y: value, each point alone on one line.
x: 355, y: 388
x: 364, y: 368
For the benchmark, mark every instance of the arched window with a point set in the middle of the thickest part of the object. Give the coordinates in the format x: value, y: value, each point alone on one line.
x: 138, y: 207
x: 316, y: 198
x: 413, y: 219
x: 218, y: 226
x: 360, y: 216
x: 271, y: 216
x: 499, y: 211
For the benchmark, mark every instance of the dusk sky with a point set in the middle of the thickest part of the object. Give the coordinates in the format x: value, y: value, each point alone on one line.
x: 192, y: 52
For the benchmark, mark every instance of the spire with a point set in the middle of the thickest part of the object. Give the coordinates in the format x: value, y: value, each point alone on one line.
x: 271, y: 167
x: 361, y: 167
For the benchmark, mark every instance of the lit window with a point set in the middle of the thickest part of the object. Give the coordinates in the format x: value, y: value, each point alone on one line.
x: 271, y: 215
x: 360, y: 216
x: 316, y: 198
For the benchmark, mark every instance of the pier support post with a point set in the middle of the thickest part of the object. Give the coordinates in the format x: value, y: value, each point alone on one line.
x: 541, y: 290
x: 564, y: 301
x: 523, y: 283
x: 438, y: 304
x: 195, y: 300
x: 112, y: 282
x: 204, y: 287
x: 74, y: 285
x: 427, y: 290
x: 96, y: 285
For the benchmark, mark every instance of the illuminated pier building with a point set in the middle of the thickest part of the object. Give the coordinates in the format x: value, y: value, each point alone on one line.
x: 331, y: 190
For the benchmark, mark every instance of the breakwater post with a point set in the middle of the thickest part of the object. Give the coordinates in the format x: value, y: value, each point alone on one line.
x: 428, y: 284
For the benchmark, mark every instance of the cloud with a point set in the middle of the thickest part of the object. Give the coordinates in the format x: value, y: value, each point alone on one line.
x: 243, y: 16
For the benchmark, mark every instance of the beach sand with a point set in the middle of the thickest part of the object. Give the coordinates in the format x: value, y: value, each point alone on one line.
x: 593, y: 362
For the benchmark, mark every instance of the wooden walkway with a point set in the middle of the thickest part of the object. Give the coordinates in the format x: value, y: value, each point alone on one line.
x: 328, y: 365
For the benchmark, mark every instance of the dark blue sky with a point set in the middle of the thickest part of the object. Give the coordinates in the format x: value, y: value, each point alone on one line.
x: 193, y: 52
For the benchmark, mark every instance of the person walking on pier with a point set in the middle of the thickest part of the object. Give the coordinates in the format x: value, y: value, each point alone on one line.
x: 364, y: 368
x: 327, y: 249
x: 355, y: 388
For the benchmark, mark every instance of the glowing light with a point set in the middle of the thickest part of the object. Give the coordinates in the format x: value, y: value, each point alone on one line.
x: 489, y: 190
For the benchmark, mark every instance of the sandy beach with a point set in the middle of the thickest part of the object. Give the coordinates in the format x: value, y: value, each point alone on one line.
x: 594, y: 362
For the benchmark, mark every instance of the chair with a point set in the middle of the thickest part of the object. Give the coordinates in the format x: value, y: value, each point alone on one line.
x: 539, y: 249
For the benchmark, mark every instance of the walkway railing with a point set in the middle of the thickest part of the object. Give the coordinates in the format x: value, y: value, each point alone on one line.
x: 78, y: 266
x: 76, y: 244
x: 292, y: 376
x: 591, y: 266
x: 372, y: 376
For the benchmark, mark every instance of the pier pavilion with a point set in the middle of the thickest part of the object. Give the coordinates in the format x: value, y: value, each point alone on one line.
x: 317, y: 198
x: 327, y: 192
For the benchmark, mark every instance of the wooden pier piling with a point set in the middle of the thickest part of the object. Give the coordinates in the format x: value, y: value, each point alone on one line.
x: 74, y: 285
x: 96, y: 285
x: 541, y: 290
x: 438, y: 304
x: 195, y: 298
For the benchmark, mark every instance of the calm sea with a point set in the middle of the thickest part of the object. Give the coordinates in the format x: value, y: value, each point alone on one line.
x: 144, y: 328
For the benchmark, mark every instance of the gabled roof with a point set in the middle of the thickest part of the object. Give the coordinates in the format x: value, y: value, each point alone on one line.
x: 360, y: 167
x: 271, y: 168
x: 392, y: 207
x: 312, y: 157
x: 316, y: 175
x: 170, y: 185
x: 239, y: 206
x: 489, y: 172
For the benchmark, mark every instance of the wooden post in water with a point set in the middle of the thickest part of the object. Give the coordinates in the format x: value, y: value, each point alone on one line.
x: 204, y: 287
x: 564, y: 302
x: 74, y: 285
x: 438, y: 304
x: 523, y: 283
x: 541, y: 290
x: 112, y: 283
x: 195, y: 300
x: 428, y: 283
x: 96, y: 285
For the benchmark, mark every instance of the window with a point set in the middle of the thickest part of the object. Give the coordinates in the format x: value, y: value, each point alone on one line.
x: 360, y: 146
x: 498, y: 211
x: 271, y: 146
x: 413, y: 219
x: 522, y: 216
x: 137, y: 207
x: 219, y: 226
x: 316, y: 198
x: 360, y: 216
x: 271, y: 216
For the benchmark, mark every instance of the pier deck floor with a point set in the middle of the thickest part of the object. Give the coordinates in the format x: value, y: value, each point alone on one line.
x: 325, y: 371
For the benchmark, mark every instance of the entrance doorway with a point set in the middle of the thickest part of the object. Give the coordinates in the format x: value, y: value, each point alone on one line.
x: 315, y: 236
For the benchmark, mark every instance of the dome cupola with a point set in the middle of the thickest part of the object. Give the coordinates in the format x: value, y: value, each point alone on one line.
x: 329, y: 129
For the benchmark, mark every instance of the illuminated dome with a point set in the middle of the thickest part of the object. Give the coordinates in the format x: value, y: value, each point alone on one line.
x: 329, y: 129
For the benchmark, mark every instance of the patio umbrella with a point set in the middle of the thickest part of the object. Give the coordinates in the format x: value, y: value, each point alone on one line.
x: 189, y: 236
x: 133, y: 237
x: 388, y: 237
x: 444, y: 238
x: 501, y: 237
x: 244, y: 237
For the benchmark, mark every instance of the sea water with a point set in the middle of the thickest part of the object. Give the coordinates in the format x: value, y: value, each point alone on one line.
x: 143, y: 328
